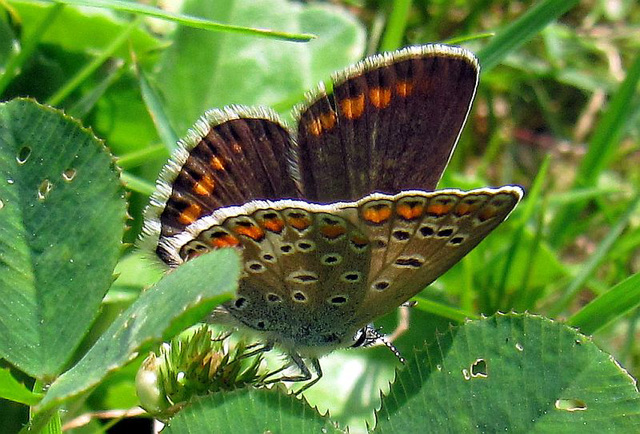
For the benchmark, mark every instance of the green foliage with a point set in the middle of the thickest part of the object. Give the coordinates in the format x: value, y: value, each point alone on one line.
x: 72, y: 335
x: 511, y: 373
x: 48, y: 258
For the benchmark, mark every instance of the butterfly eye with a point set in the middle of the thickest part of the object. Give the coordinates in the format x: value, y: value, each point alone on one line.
x: 365, y: 337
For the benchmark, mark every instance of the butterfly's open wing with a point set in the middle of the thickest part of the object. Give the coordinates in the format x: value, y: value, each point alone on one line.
x: 416, y: 236
x: 230, y: 157
x: 390, y: 124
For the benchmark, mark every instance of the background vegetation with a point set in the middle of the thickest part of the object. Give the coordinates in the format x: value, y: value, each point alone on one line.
x: 557, y: 112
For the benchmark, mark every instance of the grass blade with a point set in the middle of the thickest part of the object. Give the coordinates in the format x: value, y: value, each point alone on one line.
x: 187, y: 20
x: 589, y: 267
x: 522, y: 30
x: 606, y: 308
x: 602, y: 146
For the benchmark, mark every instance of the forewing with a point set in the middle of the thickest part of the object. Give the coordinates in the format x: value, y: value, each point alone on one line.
x: 390, y: 124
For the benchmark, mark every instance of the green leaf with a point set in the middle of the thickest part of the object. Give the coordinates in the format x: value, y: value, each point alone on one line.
x: 180, y: 299
x: 61, y: 222
x: 13, y: 390
x: 512, y: 372
x: 93, y: 30
x: 249, y: 411
x: 202, y: 70
x: 609, y: 306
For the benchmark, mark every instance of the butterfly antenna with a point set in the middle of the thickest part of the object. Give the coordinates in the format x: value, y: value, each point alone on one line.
x: 382, y: 338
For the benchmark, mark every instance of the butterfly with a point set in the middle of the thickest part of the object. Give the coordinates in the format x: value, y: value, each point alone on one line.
x: 337, y: 219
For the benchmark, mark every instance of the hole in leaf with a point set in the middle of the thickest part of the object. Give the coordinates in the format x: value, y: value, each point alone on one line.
x: 44, y: 189
x: 23, y: 155
x: 571, y: 404
x: 69, y: 174
x: 479, y: 369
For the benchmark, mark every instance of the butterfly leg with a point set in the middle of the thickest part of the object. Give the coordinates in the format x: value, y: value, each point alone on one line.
x: 305, y: 373
x: 315, y: 363
x: 261, y: 349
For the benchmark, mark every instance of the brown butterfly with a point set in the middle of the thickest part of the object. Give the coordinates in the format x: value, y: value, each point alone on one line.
x: 337, y: 221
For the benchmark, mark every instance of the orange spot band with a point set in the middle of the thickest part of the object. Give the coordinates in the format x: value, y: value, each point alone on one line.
x: 274, y: 224
x: 300, y: 223
x: 253, y: 232
x: 377, y: 214
x: 352, y: 108
x: 204, y: 186
x: 404, y: 88
x: 487, y: 212
x: 380, y: 97
x: 409, y: 212
x: 190, y: 214
x: 438, y: 209
x: 225, y: 241
x: 217, y: 163
x: 332, y: 231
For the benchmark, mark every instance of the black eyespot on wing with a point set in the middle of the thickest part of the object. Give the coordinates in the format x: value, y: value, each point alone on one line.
x: 411, y: 262
x: 401, y: 235
x: 299, y: 296
x: 443, y: 233
x: 240, y: 302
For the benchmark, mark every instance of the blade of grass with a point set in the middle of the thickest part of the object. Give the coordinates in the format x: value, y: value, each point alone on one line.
x: 589, y: 267
x: 529, y: 296
x: 522, y: 30
x: 468, y: 295
x: 187, y: 20
x: 137, y: 184
x: 606, y: 308
x: 87, y: 102
x: 582, y: 194
x: 602, y: 146
x: 137, y: 158
x: 530, y: 206
x: 444, y: 311
x: 92, y: 66
x: 29, y: 44
x: 394, y: 32
x: 157, y: 112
